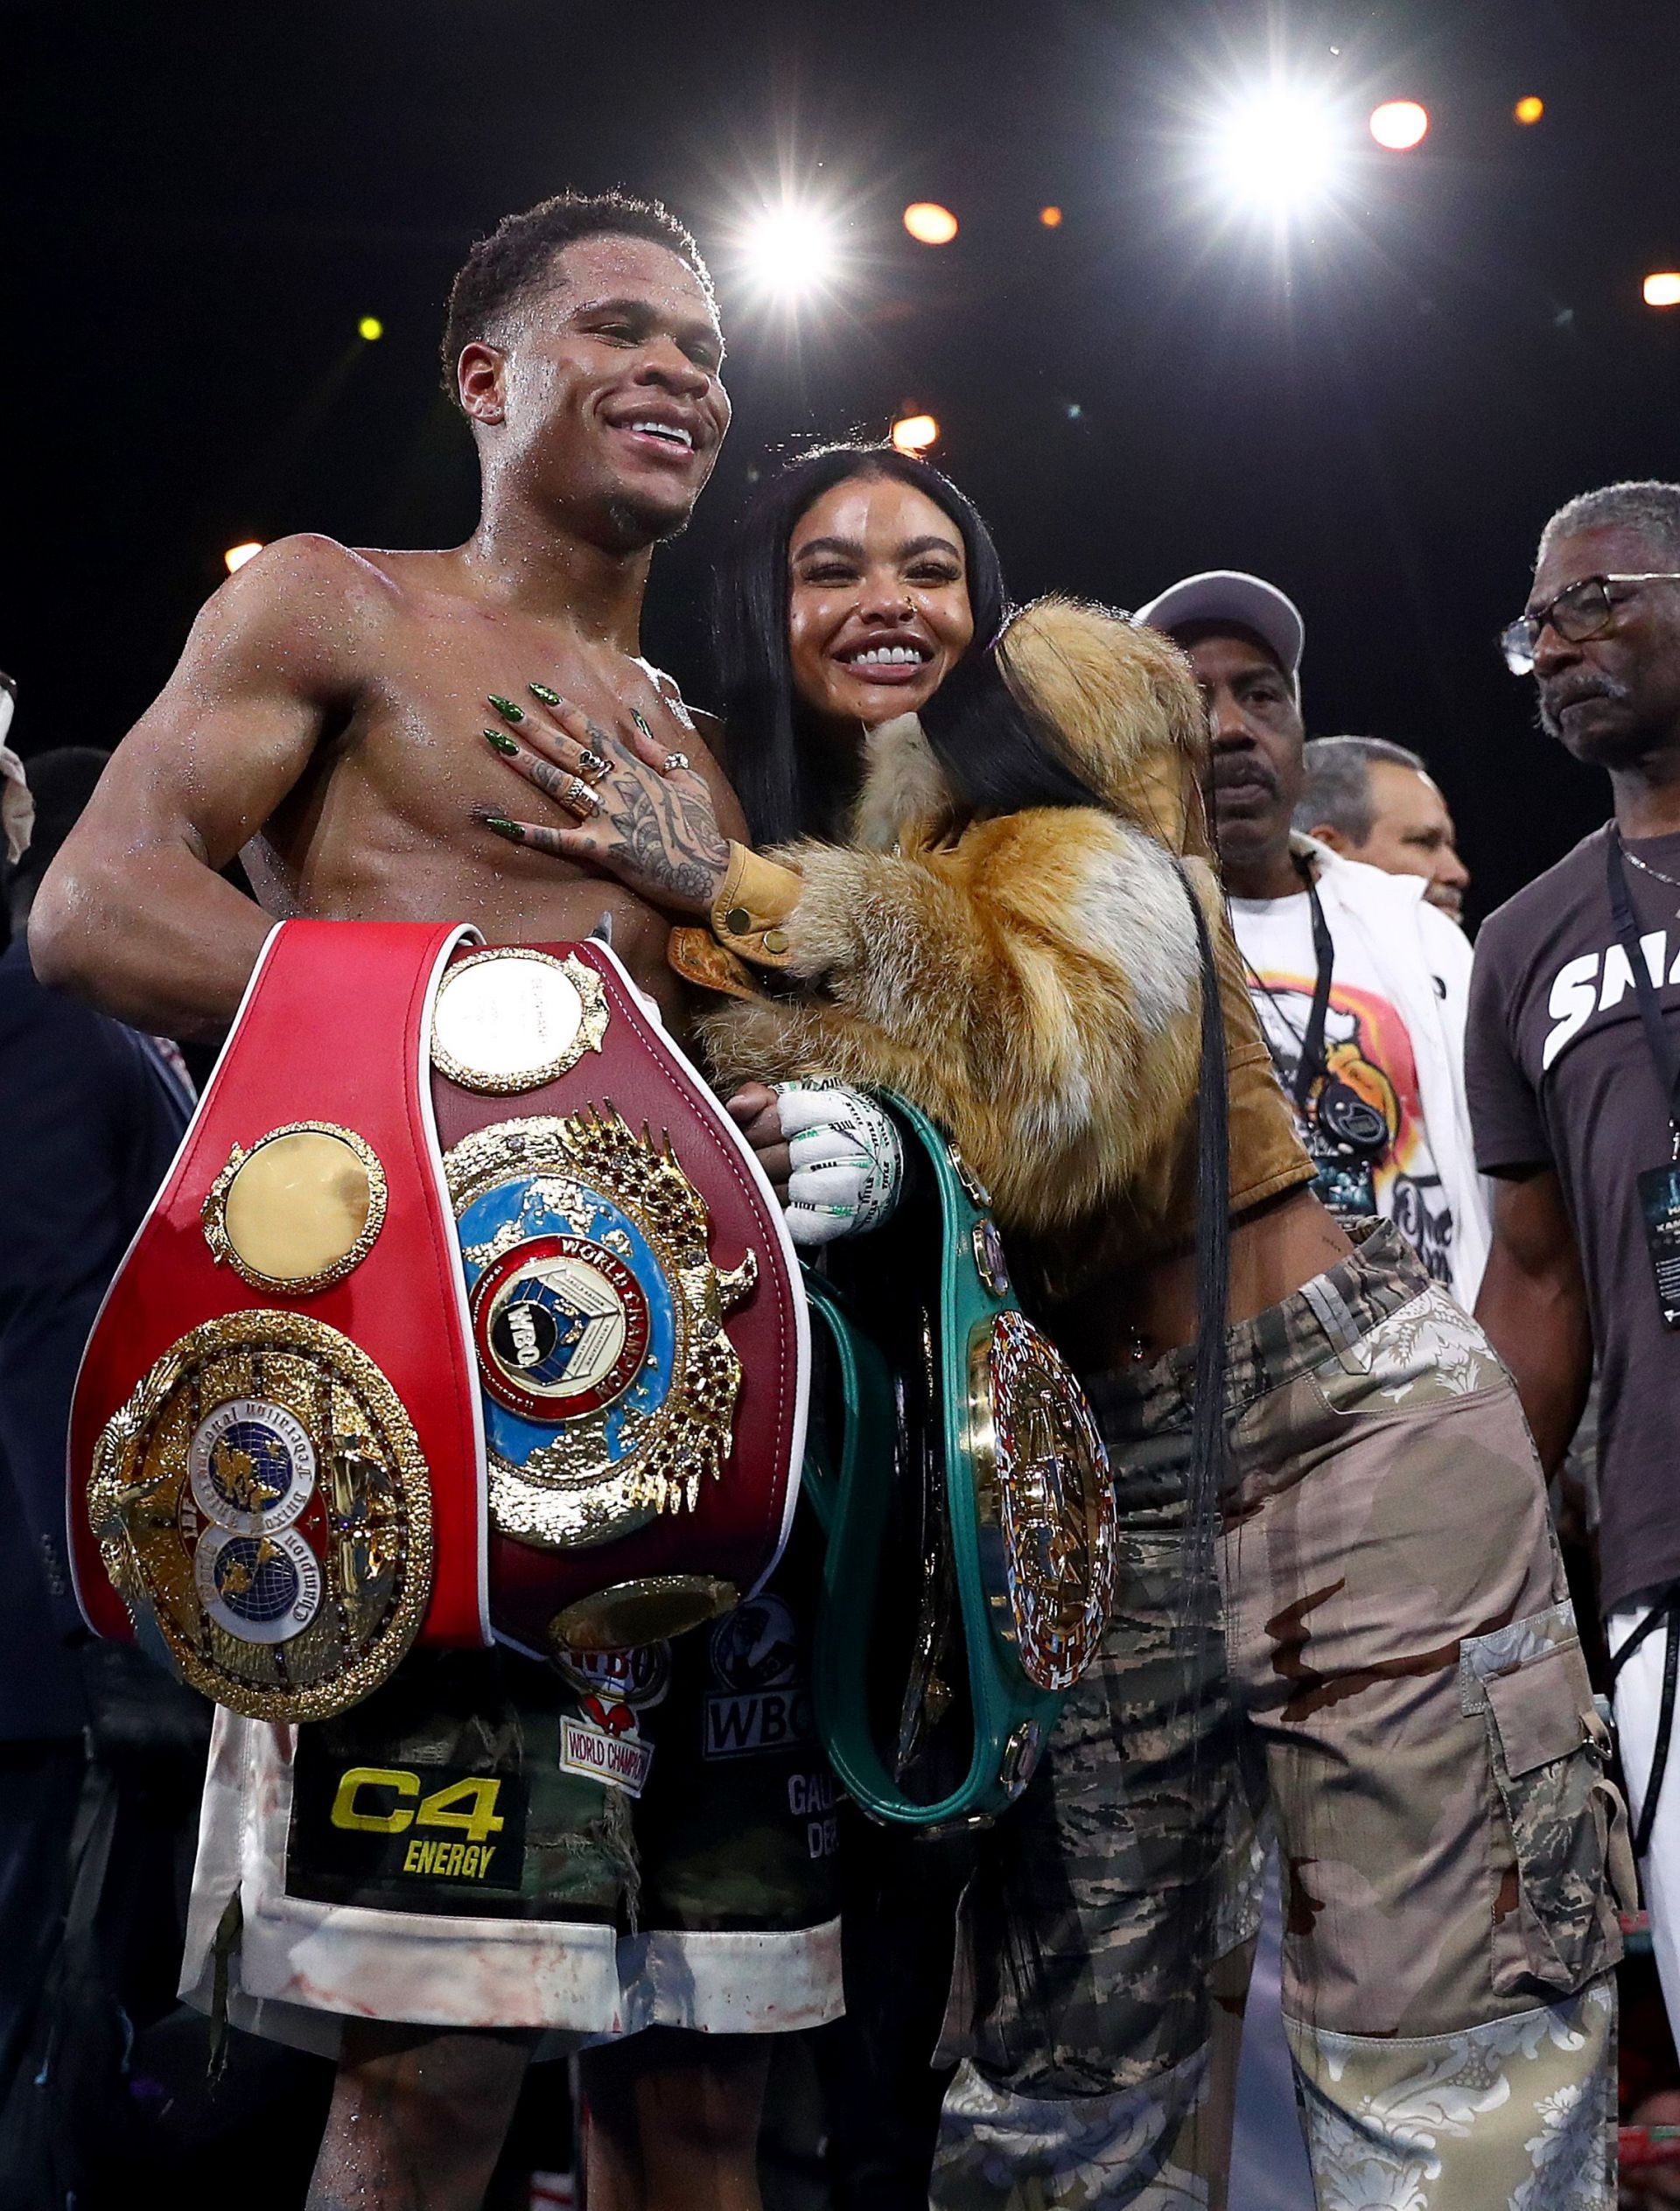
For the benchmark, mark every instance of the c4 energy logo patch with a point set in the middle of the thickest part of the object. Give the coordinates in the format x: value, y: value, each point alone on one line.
x: 763, y: 1701
x: 432, y: 1837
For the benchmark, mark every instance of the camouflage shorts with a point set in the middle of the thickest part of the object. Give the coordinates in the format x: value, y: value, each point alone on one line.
x: 1378, y: 1655
x: 602, y: 1843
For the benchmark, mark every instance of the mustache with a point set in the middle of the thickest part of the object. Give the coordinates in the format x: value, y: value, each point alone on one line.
x: 1242, y: 771
x: 1555, y: 700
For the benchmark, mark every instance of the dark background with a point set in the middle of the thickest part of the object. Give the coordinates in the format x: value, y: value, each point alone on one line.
x: 203, y: 201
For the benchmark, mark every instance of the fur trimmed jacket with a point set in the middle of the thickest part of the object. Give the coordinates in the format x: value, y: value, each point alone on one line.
x: 1032, y: 980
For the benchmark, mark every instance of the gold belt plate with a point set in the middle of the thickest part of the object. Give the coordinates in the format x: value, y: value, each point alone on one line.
x: 262, y: 1498
x: 605, y: 1226
x: 1048, y: 1522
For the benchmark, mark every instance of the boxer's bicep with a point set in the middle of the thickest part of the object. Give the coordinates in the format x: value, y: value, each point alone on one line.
x: 133, y: 915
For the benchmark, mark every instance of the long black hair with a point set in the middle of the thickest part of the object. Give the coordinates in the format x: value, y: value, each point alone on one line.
x: 997, y: 756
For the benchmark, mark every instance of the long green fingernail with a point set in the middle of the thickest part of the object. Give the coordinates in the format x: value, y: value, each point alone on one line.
x: 542, y: 691
x: 502, y: 742
x: 506, y: 708
x: 503, y: 827
x: 640, y: 722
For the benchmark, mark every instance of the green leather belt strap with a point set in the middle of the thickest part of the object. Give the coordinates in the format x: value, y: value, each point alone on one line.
x: 1012, y: 1715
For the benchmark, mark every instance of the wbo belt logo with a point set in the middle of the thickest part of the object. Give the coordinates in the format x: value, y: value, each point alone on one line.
x: 604, y: 1742
x: 764, y: 1701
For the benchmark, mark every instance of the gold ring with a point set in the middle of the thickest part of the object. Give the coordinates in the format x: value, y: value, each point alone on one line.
x: 580, y: 798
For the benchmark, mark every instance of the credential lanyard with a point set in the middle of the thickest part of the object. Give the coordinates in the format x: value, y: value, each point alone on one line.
x: 1665, y: 1059
x: 1312, y: 1067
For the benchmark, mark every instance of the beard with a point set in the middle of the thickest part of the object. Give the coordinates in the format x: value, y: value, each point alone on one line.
x: 632, y: 524
x: 1615, y: 746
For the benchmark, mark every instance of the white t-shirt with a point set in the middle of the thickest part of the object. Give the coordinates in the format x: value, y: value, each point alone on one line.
x: 1367, y: 1045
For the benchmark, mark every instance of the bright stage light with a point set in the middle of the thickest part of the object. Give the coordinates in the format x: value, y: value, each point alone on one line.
x: 915, y: 433
x: 930, y: 223
x: 1529, y: 108
x: 1399, y: 125
x: 790, y: 250
x: 1051, y: 218
x: 370, y: 328
x: 1277, y: 150
x: 1662, y: 289
x: 236, y: 556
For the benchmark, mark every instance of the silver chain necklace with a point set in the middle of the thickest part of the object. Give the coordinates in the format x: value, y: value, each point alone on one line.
x: 1645, y: 868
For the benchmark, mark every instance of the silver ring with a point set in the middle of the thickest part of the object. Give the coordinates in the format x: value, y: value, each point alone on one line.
x: 580, y: 798
x: 591, y: 765
x: 675, y: 760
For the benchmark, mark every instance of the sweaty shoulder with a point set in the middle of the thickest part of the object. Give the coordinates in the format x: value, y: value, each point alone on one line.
x: 306, y: 601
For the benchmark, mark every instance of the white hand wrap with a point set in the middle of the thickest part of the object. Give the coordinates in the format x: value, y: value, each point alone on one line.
x: 848, y: 1163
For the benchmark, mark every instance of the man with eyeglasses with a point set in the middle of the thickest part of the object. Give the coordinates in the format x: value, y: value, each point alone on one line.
x: 1574, y: 1082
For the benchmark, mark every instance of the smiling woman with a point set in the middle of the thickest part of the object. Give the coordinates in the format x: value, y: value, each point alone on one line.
x: 863, y: 585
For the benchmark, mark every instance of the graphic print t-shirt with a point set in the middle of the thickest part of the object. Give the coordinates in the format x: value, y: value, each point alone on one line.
x: 1365, y: 1045
x: 1559, y: 1074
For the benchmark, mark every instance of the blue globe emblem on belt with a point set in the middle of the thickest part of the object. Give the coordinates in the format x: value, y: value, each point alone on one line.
x: 256, y: 1582
x: 251, y: 1467
x: 261, y: 1589
x: 573, y: 1318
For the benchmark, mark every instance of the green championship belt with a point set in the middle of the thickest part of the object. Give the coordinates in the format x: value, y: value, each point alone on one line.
x: 965, y: 1494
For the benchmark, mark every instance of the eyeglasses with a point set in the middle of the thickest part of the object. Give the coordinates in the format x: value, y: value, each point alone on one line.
x: 1584, y: 610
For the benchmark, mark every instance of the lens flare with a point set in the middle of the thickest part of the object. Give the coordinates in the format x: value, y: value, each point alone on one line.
x: 236, y: 556
x: 1399, y: 124
x: 790, y: 251
x: 915, y: 433
x: 1051, y: 218
x: 1529, y: 108
x: 371, y: 328
x: 1275, y: 150
x: 930, y: 223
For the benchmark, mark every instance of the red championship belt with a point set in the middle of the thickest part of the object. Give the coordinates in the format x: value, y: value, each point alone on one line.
x: 643, y: 1458
x: 279, y: 1472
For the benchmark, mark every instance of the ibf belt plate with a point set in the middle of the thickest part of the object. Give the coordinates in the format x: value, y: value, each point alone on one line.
x: 262, y: 1498
x: 597, y: 1316
x: 1049, y: 1521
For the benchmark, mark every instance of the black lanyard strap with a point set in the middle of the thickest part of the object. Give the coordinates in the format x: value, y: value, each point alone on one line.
x: 1312, y: 1067
x: 1664, y: 1059
x: 1664, y: 1615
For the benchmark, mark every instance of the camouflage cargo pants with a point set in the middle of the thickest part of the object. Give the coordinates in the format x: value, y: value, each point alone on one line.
x: 1381, y: 1660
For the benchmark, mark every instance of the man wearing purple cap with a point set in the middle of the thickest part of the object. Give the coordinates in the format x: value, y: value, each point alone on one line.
x: 1376, y: 1070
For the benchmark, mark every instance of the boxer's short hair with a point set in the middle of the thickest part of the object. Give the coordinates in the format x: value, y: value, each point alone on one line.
x: 518, y: 257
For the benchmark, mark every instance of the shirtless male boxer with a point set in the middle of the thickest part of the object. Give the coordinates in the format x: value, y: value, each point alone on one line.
x: 321, y: 724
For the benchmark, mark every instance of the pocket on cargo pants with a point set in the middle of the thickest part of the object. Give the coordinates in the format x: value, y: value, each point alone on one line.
x: 1559, y: 1844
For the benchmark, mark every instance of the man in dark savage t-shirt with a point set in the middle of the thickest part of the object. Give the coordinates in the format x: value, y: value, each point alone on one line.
x: 1573, y: 1074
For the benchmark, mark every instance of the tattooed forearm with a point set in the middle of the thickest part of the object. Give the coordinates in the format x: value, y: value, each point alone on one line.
x: 673, y: 845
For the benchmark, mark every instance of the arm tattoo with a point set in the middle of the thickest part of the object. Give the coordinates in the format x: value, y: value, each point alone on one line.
x: 676, y: 845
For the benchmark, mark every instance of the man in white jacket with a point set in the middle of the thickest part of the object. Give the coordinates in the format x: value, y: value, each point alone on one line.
x: 1360, y: 984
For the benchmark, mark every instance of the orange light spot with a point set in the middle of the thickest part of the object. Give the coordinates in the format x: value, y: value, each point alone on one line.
x: 1051, y: 218
x: 915, y: 433
x: 1399, y: 124
x: 236, y: 556
x: 929, y: 222
x: 1662, y: 288
x: 1529, y: 108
